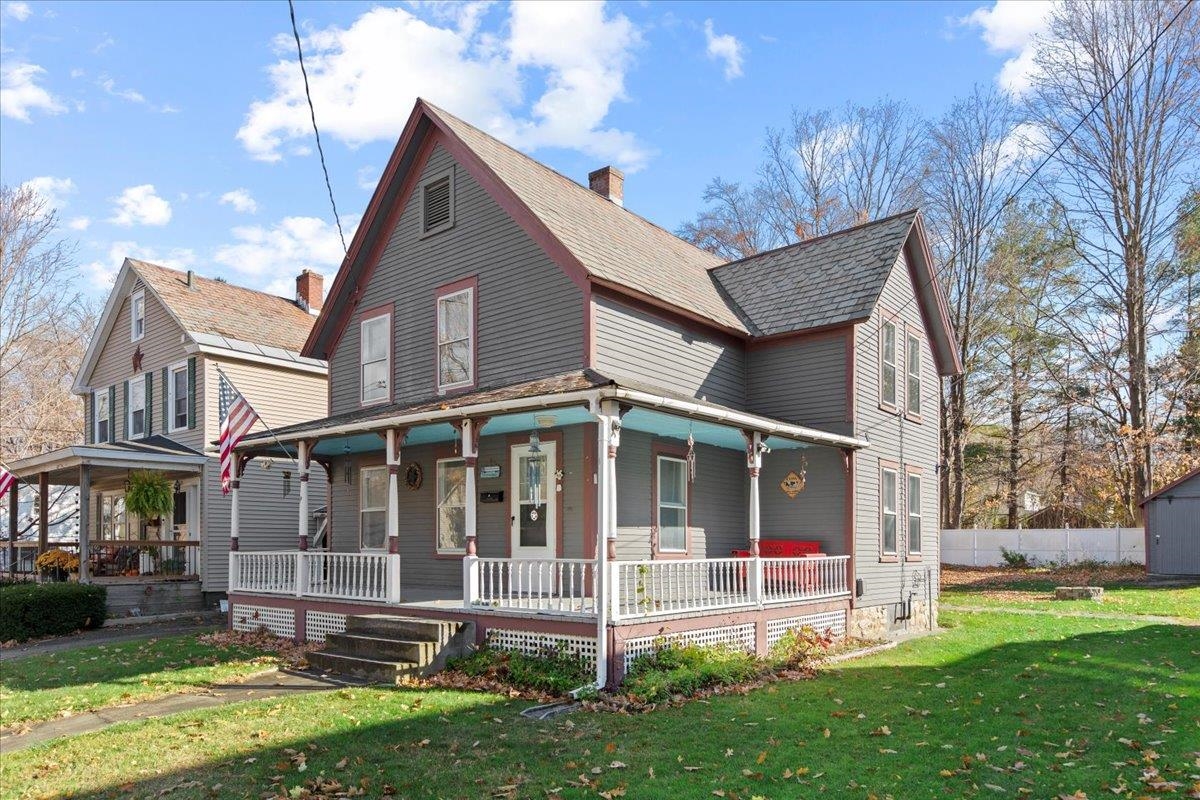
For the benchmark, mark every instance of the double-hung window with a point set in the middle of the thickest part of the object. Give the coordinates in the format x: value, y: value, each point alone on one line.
x: 887, y: 367
x: 137, y: 407
x: 914, y: 514
x: 456, y: 339
x: 375, y: 356
x: 888, y: 488
x: 672, y: 504
x: 137, y: 316
x: 179, y: 400
x: 912, y: 366
x: 103, y: 416
x: 373, y: 489
x: 451, y: 505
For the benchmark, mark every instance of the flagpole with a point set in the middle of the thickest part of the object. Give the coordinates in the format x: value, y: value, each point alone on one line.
x: 270, y: 430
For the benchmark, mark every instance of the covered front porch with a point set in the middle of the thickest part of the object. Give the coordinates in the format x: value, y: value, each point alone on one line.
x: 492, y: 508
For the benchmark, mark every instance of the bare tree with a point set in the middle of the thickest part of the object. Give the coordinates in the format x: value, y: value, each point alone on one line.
x: 44, y: 325
x: 1120, y: 174
x: 973, y: 160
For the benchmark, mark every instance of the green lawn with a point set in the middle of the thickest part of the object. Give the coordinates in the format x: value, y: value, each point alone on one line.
x: 1000, y: 705
x: 1138, y: 600
x: 42, y: 687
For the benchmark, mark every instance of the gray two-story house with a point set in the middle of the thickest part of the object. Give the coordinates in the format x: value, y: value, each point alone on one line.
x: 555, y: 421
x: 150, y: 382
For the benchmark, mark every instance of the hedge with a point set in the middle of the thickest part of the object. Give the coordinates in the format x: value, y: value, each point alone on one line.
x: 30, y: 610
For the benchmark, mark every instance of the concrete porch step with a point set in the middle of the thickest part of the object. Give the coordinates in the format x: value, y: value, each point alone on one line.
x: 365, y: 668
x: 411, y: 628
x: 385, y: 648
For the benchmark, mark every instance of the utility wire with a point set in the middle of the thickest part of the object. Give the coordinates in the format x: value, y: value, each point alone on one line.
x: 316, y: 131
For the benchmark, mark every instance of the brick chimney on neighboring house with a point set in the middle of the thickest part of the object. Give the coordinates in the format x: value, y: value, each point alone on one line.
x: 310, y: 291
x: 609, y: 183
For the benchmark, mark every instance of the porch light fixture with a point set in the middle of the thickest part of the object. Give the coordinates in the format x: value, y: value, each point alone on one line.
x: 545, y: 420
x: 178, y: 486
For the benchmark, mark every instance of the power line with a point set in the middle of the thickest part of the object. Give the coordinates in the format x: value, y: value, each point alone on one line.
x: 316, y: 131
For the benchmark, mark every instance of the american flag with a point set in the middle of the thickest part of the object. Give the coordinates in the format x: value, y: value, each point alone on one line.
x: 237, y: 419
x: 7, y: 479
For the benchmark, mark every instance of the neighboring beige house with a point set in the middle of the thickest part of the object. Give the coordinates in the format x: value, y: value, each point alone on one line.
x: 150, y: 382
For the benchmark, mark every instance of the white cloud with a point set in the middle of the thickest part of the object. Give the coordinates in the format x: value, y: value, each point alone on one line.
x: 20, y: 93
x: 241, y: 200
x: 270, y: 258
x: 130, y: 95
x: 102, y: 271
x: 367, y: 178
x: 139, y: 205
x: 80, y: 223
x: 364, y: 77
x: 1012, y: 28
x: 52, y: 190
x: 18, y: 11
x: 724, y: 47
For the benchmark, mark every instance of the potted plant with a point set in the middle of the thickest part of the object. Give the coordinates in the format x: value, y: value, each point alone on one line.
x: 150, y: 496
x: 57, y: 564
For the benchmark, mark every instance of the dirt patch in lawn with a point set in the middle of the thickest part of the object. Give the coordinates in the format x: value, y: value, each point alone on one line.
x: 1032, y: 583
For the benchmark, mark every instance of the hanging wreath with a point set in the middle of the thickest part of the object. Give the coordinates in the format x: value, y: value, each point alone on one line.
x: 414, y: 476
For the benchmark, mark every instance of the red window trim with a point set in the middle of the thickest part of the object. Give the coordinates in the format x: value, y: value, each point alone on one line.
x: 387, y: 310
x: 445, y: 290
x: 887, y: 317
x: 891, y: 466
x: 910, y: 469
x: 914, y: 332
x: 443, y: 452
x: 658, y: 449
x: 357, y: 471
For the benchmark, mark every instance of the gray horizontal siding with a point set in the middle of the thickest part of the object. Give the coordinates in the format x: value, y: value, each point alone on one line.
x: 802, y: 381
x: 530, y: 314
x: 817, y: 513
x: 635, y: 344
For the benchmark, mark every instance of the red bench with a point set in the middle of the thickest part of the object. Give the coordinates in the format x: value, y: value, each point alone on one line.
x: 785, y: 548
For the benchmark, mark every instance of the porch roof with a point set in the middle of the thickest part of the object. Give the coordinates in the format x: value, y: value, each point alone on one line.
x: 572, y: 396
x: 153, y: 452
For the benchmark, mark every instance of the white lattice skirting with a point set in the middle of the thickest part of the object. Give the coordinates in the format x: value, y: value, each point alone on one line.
x: 532, y: 643
x: 740, y: 636
x: 318, y: 624
x: 279, y: 621
x: 832, y: 621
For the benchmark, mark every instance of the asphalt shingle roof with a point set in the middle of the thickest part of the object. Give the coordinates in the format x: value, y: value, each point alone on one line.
x: 829, y: 280
x: 221, y: 309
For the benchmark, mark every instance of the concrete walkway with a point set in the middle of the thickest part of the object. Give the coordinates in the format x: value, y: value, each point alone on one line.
x: 1085, y: 614
x: 273, y: 683
x: 113, y: 634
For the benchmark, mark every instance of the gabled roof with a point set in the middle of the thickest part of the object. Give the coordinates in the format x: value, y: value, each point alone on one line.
x: 214, y: 315
x: 1175, y: 484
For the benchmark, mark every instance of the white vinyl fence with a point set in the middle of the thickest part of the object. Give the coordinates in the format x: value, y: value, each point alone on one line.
x: 981, y: 548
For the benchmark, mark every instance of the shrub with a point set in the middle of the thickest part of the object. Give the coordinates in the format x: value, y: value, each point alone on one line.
x: 687, y: 670
x: 1015, y: 559
x: 800, y: 649
x: 51, y: 609
x: 555, y: 670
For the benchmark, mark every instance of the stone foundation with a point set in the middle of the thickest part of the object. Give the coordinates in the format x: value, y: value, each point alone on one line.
x: 869, y: 622
x: 878, y: 622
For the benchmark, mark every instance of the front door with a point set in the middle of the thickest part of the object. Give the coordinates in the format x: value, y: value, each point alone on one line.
x: 534, y: 523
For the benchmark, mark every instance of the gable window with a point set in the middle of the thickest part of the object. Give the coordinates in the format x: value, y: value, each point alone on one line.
x: 887, y: 377
x: 376, y: 358
x: 136, y: 425
x: 451, y: 505
x: 178, y: 400
x: 137, y: 316
x: 456, y: 339
x: 672, y: 505
x: 103, y: 416
x: 914, y: 514
x: 437, y: 204
x: 912, y: 363
x: 373, y: 486
x: 888, y: 504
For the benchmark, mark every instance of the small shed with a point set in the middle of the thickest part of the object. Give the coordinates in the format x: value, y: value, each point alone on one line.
x: 1172, y: 517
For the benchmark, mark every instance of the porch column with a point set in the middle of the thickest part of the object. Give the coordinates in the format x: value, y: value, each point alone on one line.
x: 13, y: 515
x: 470, y: 451
x: 394, y: 439
x: 85, y: 521
x: 303, y: 457
x: 43, y: 512
x: 607, y: 441
x: 754, y: 454
x: 234, y: 484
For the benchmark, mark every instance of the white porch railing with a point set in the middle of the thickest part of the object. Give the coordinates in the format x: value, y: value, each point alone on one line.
x: 560, y: 586
x: 787, y: 580
x: 342, y: 576
x: 263, y: 573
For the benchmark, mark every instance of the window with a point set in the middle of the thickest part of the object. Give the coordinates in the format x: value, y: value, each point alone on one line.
x: 912, y: 363
x: 178, y: 396
x: 456, y: 339
x: 914, y: 514
x: 887, y: 500
x: 103, y: 417
x: 375, y: 353
x: 137, y: 316
x: 437, y: 204
x: 451, y: 505
x: 887, y: 378
x: 672, y: 504
x: 373, y: 490
x: 137, y: 408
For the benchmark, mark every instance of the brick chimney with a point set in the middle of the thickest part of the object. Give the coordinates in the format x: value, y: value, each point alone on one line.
x: 609, y: 183
x: 310, y: 291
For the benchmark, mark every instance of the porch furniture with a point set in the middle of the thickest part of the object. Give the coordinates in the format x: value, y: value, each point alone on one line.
x: 785, y: 574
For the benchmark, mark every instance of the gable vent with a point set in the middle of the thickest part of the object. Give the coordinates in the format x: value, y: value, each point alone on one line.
x: 436, y: 205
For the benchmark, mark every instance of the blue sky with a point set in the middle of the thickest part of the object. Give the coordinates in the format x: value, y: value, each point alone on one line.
x: 177, y: 131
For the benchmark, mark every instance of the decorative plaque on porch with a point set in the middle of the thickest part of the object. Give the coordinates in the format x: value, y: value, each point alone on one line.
x: 792, y: 484
x: 414, y: 476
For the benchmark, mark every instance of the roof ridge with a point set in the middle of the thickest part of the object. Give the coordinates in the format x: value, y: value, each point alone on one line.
x: 822, y: 237
x: 570, y: 181
x: 196, y: 275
